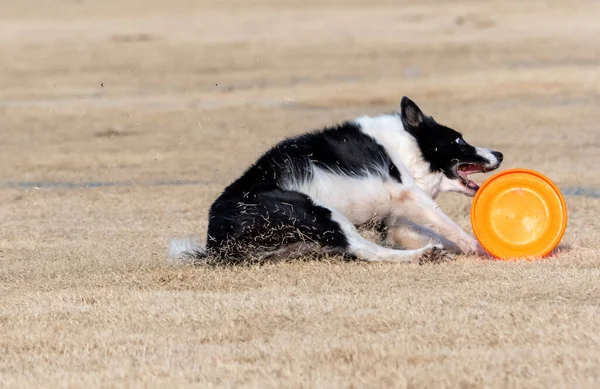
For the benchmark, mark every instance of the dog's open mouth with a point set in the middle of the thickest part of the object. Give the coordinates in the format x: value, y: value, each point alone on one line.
x: 463, y: 170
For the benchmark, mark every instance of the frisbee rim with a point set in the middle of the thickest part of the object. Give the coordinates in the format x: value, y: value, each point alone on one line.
x: 562, y: 201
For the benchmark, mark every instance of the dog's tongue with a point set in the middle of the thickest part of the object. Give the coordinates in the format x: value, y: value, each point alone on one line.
x: 472, y: 185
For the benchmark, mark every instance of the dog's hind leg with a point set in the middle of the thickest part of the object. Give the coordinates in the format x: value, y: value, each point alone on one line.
x: 366, y: 250
x: 271, y: 223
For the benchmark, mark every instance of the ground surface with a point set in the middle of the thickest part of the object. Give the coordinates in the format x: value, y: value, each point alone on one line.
x: 115, y: 91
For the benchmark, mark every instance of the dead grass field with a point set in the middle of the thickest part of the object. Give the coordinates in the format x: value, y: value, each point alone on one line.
x: 115, y: 91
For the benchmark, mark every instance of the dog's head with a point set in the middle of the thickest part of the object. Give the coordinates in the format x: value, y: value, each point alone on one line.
x: 446, y: 151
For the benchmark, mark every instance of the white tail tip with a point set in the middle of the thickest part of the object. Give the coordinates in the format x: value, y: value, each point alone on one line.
x: 185, y: 250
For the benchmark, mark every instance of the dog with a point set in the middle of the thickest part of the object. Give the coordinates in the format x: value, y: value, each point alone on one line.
x: 313, y: 193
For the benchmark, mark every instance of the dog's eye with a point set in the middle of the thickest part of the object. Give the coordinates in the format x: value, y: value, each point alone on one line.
x: 460, y: 141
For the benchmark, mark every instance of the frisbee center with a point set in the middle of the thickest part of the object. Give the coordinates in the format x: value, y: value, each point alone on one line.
x: 519, y: 216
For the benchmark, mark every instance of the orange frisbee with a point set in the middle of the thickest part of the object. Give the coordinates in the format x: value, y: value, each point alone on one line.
x: 519, y: 214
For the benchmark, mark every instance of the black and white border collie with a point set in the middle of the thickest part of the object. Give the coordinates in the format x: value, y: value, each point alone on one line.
x: 313, y: 192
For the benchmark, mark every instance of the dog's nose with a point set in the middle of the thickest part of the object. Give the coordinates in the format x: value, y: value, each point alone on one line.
x: 498, y: 156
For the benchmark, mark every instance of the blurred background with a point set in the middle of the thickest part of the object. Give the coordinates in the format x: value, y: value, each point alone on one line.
x: 122, y: 120
x: 98, y: 93
x: 114, y: 90
x: 138, y: 98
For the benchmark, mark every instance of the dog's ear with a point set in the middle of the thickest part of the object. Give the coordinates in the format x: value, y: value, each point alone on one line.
x: 410, y: 112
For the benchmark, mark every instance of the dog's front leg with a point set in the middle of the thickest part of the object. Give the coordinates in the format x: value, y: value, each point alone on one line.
x: 416, y: 206
x: 404, y: 233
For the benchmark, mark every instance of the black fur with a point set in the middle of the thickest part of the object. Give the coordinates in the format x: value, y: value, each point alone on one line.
x: 263, y: 221
x: 255, y: 213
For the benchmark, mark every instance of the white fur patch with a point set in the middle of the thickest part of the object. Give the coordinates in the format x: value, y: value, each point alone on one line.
x: 487, y: 154
x: 360, y: 199
x: 388, y: 131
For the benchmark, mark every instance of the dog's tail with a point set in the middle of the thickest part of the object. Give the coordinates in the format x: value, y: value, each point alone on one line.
x: 186, y: 250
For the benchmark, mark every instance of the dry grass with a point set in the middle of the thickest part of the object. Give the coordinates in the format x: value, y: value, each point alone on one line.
x: 143, y: 90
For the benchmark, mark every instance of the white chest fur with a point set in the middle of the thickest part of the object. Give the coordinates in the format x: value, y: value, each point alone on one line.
x: 360, y: 199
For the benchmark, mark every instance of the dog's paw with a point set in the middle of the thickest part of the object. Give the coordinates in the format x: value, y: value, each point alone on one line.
x: 484, y: 253
x: 481, y: 251
x: 470, y: 246
x: 435, y: 254
x: 478, y: 250
x: 473, y: 247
